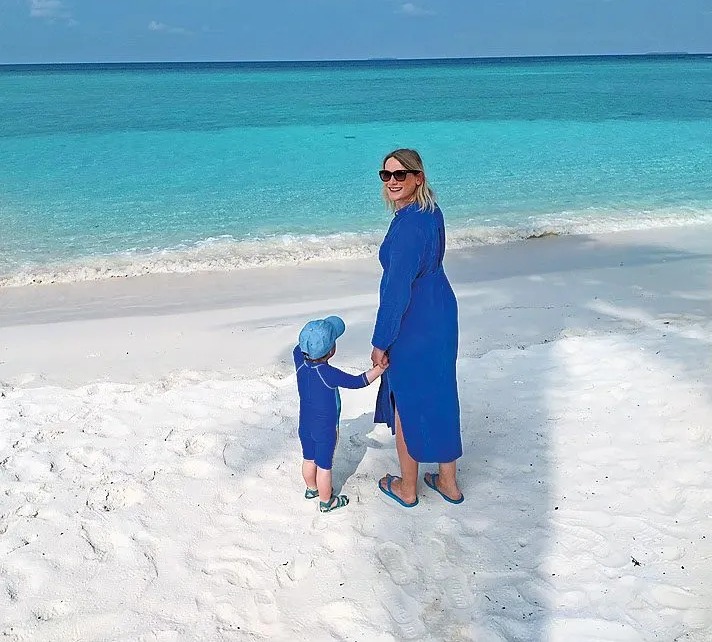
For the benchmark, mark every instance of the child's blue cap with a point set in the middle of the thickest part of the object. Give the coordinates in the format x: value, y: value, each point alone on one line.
x: 317, y: 338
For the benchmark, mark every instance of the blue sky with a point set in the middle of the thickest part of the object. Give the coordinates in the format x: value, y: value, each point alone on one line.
x: 142, y: 30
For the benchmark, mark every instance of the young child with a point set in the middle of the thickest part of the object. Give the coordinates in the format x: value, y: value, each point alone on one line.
x: 320, y: 405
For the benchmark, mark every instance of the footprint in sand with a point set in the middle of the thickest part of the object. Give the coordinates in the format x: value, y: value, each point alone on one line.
x: 394, y: 559
x: 404, y: 610
x: 446, y: 575
x: 228, y: 562
x: 458, y: 592
x: 438, y: 565
x: 259, y: 619
x: 267, y: 607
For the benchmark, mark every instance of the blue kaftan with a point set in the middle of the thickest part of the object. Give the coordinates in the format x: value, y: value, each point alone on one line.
x: 417, y: 325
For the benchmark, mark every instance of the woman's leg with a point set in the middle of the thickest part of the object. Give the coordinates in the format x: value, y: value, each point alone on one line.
x: 447, y: 480
x: 406, y: 486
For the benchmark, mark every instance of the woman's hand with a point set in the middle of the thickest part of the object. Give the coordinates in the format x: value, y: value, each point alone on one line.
x: 379, y: 358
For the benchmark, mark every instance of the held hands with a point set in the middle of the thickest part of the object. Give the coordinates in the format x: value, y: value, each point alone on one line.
x: 375, y: 372
x: 379, y: 358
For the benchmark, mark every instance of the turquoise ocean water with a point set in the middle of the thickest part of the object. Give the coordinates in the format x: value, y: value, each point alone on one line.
x: 129, y: 169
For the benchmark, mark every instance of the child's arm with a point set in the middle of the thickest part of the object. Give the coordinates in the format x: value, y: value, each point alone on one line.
x: 335, y: 378
x: 298, y: 357
x: 373, y: 374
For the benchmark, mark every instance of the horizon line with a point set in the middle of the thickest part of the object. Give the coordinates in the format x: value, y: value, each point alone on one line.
x: 385, y: 59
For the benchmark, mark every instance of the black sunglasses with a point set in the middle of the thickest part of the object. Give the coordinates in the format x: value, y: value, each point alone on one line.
x: 400, y: 174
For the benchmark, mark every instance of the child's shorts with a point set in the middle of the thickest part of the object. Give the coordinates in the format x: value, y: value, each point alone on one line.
x: 319, y: 447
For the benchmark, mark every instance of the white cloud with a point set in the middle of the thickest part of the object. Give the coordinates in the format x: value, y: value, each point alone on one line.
x: 154, y: 25
x: 49, y: 10
x: 410, y: 9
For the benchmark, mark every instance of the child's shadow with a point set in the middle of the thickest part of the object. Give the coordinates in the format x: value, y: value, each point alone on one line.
x: 351, y: 449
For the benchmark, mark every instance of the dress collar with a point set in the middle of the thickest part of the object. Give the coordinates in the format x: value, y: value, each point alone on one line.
x: 407, y: 208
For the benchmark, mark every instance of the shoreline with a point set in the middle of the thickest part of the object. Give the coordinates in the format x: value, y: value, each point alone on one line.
x: 246, y: 320
x: 227, y: 254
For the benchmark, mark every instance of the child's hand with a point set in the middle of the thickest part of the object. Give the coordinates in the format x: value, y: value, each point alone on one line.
x: 375, y: 372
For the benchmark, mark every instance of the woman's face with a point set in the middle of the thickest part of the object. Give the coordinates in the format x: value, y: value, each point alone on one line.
x: 401, y: 192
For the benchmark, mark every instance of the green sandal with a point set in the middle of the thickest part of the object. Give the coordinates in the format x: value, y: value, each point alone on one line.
x: 313, y: 493
x: 336, y: 501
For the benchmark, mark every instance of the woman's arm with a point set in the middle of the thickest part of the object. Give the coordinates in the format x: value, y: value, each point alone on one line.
x: 402, y: 269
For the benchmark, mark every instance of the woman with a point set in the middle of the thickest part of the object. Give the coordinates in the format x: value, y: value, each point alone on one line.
x: 416, y: 336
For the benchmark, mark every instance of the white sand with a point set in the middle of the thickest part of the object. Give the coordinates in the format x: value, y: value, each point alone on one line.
x: 149, y: 463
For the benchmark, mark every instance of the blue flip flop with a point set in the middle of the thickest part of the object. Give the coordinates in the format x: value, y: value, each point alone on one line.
x: 387, y: 491
x: 433, y: 483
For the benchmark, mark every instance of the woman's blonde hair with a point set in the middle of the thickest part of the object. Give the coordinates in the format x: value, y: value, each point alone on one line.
x: 410, y: 159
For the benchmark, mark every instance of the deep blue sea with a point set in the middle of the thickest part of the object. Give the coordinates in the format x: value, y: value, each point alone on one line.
x: 138, y: 168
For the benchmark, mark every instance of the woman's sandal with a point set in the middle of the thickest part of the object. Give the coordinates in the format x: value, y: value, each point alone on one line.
x: 432, y: 482
x: 336, y: 501
x: 388, y: 491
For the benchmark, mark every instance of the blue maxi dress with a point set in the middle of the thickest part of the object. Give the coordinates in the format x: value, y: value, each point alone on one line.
x: 417, y: 325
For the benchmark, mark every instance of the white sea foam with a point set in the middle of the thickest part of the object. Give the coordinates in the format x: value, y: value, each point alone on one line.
x: 226, y: 253
x: 593, y: 221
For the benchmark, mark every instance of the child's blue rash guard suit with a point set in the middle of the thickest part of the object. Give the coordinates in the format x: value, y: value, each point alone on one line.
x: 320, y: 406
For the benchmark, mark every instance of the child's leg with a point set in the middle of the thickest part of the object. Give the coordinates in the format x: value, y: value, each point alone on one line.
x: 324, y: 447
x: 324, y: 459
x: 308, y: 464
x: 323, y: 483
x: 309, y: 473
